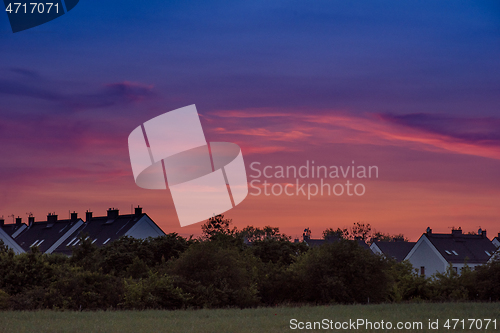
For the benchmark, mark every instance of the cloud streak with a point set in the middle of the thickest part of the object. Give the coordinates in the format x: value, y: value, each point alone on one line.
x: 425, y: 132
x: 31, y: 84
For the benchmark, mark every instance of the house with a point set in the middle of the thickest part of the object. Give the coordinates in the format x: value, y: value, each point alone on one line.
x: 306, y: 237
x: 434, y: 252
x: 59, y: 236
x: 105, y: 229
x: 47, y: 235
x: 397, y: 249
x: 496, y: 241
x: 9, y: 231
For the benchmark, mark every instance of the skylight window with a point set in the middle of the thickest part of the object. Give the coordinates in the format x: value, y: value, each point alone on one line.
x: 107, y: 240
x: 447, y: 252
x: 489, y: 254
x: 94, y: 241
x: 455, y: 252
x: 37, y: 242
x: 71, y: 241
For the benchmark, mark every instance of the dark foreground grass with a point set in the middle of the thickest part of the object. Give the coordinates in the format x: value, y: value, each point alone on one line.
x: 248, y: 320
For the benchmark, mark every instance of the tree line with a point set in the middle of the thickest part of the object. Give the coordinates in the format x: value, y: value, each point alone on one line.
x: 226, y: 267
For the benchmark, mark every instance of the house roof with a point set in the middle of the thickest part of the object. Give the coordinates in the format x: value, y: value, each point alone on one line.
x: 10, y: 242
x: 45, y: 234
x: 396, y: 250
x: 10, y: 229
x: 457, y: 247
x: 319, y: 242
x: 101, y: 229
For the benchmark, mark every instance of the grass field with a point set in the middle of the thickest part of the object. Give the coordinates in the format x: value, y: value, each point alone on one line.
x: 248, y: 320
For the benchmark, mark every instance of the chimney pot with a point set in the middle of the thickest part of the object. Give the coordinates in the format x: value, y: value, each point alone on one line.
x: 138, y: 211
x: 88, y: 216
x: 74, y: 216
x: 19, y: 220
x: 31, y: 220
x: 456, y: 232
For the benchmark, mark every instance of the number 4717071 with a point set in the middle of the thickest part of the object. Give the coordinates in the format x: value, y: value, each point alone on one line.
x: 32, y: 7
x: 471, y: 324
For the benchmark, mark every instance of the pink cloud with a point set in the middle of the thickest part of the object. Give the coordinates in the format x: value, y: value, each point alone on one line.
x: 342, y: 127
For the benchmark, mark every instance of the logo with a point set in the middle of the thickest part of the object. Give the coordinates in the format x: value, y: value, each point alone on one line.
x: 26, y: 15
x: 205, y: 179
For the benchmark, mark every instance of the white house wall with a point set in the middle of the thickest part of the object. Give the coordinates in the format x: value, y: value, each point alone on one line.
x: 145, y: 228
x: 460, y: 266
x: 424, y: 254
x: 496, y: 242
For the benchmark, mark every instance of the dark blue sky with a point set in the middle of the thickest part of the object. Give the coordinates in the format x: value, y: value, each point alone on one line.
x: 367, y: 56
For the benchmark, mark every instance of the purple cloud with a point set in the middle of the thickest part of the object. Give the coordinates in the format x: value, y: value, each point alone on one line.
x: 485, y: 130
x: 31, y: 84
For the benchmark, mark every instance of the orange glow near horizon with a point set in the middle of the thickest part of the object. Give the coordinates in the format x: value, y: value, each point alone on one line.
x: 425, y: 180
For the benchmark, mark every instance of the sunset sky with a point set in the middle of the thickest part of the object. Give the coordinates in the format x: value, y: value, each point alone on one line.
x: 412, y: 87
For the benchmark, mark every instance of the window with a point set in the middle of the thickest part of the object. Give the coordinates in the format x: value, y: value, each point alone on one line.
x: 489, y: 254
x: 455, y: 252
x: 422, y: 270
x: 107, y: 240
x: 456, y: 269
x: 71, y: 241
x: 37, y: 242
x: 447, y: 252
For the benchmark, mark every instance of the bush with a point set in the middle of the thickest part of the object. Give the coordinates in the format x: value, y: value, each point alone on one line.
x: 488, y: 281
x: 24, y: 271
x: 153, y: 292
x: 4, y: 300
x: 77, y: 289
x: 452, y: 286
x: 341, y: 272
x: 407, y: 284
x: 218, y: 276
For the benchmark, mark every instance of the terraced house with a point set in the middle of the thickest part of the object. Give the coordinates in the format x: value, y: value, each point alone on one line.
x: 59, y: 236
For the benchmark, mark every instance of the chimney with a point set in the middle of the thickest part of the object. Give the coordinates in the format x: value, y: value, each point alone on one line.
x: 51, y: 218
x: 138, y: 211
x: 31, y: 220
x: 307, y: 234
x: 19, y: 220
x: 456, y: 232
x: 429, y: 231
x: 2, y: 223
x: 88, y: 216
x: 74, y: 216
x: 113, y: 213
x: 483, y: 234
